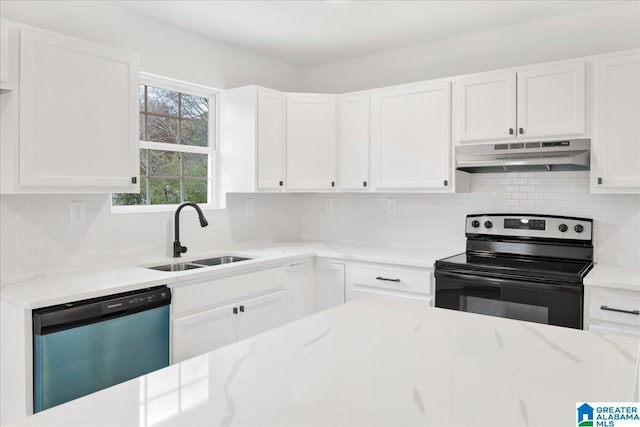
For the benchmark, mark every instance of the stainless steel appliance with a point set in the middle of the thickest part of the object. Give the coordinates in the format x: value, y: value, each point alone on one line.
x: 85, y: 346
x: 567, y: 155
x: 520, y: 266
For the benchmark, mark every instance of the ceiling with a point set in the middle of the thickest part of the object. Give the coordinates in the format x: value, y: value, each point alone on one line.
x: 308, y: 33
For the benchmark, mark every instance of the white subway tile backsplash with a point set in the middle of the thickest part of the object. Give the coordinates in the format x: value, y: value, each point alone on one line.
x: 437, y: 220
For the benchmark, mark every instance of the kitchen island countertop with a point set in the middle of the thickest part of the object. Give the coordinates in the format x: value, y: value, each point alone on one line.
x: 375, y: 362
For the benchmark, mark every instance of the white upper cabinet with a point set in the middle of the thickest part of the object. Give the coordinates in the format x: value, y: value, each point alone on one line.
x: 551, y: 100
x: 311, y: 142
x: 544, y: 101
x: 78, y: 115
x: 270, y: 136
x: 5, y: 83
x: 411, y: 137
x: 486, y: 107
x: 615, y: 161
x: 353, y: 144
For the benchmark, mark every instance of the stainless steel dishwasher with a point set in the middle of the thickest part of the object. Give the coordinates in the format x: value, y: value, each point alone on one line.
x: 85, y: 346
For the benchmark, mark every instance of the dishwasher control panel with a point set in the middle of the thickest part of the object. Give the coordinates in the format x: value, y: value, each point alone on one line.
x: 132, y: 302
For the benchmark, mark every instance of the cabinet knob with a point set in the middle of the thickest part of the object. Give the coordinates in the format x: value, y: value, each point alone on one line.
x: 235, y: 310
x: 599, y: 181
x: 281, y: 183
x: 510, y: 131
x: 364, y: 183
x: 446, y: 182
x: 242, y: 308
x: 521, y: 131
x: 333, y: 183
x: 134, y: 179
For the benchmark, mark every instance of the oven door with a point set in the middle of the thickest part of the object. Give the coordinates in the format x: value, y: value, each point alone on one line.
x: 552, y: 304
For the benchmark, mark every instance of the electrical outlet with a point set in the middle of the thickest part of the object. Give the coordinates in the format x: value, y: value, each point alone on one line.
x: 249, y: 207
x: 77, y: 212
x: 392, y: 206
x: 328, y: 205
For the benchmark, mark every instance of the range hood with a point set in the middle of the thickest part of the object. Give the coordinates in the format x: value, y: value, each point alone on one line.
x: 566, y: 155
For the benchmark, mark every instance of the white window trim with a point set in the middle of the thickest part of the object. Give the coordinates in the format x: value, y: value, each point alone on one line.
x: 212, y: 150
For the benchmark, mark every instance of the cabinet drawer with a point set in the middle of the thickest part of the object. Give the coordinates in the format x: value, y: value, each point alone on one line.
x: 604, y: 303
x: 209, y: 293
x: 392, y: 278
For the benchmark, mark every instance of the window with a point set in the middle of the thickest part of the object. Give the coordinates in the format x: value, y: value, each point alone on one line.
x: 177, y: 144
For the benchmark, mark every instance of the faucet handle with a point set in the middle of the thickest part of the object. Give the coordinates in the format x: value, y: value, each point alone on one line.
x: 178, y: 249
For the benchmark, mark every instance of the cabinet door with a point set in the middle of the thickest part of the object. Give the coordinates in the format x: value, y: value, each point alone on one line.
x: 311, y: 142
x: 551, y: 100
x: 202, y: 332
x: 301, y: 286
x: 486, y: 107
x: 411, y: 136
x: 330, y: 285
x: 616, y: 146
x: 270, y: 129
x: 261, y: 314
x: 353, y: 148
x: 4, y: 56
x: 78, y: 114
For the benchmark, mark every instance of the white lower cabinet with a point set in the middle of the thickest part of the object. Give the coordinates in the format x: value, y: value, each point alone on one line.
x: 301, y: 287
x: 330, y: 284
x: 389, y: 281
x: 611, y: 310
x: 261, y: 314
x: 209, y: 314
x: 203, y: 332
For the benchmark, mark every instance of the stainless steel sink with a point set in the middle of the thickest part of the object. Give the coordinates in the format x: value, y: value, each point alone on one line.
x: 220, y: 260
x: 176, y: 267
x: 206, y: 262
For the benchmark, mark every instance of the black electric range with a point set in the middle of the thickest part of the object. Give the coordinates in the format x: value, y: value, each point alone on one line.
x: 520, y: 266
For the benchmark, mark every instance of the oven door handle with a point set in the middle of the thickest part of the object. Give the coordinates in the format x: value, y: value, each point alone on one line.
x: 620, y: 310
x: 482, y: 281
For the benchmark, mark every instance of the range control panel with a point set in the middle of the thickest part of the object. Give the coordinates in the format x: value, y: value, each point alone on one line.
x: 524, y: 225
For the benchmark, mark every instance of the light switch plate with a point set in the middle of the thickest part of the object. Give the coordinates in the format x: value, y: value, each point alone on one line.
x: 392, y: 206
x: 328, y: 205
x: 78, y: 212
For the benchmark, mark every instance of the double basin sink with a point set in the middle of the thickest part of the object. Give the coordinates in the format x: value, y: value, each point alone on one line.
x: 207, y: 262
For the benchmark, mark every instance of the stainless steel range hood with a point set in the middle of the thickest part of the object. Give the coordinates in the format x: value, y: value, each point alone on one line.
x: 566, y: 155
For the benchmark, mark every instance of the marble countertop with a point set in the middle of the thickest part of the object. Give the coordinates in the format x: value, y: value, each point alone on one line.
x: 614, y: 276
x: 63, y: 287
x: 374, y: 362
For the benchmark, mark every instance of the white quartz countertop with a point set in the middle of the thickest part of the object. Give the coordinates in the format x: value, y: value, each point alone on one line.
x: 614, y: 276
x: 376, y: 362
x: 64, y: 287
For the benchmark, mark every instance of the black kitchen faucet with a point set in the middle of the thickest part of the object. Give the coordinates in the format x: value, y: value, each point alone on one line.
x: 177, y: 247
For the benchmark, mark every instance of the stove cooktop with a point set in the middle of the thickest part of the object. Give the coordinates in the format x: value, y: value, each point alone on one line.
x: 546, y: 270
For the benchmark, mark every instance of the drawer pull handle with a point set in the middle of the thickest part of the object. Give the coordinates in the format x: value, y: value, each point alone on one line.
x: 619, y: 310
x: 386, y: 279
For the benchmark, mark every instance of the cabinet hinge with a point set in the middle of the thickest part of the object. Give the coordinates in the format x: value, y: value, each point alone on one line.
x: 599, y: 180
x: 134, y: 179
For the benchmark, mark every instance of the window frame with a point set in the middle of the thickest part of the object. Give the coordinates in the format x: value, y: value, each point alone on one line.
x: 213, y: 178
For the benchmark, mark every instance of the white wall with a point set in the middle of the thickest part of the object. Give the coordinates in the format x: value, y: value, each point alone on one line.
x: 437, y: 220
x: 164, y: 49
x: 587, y: 33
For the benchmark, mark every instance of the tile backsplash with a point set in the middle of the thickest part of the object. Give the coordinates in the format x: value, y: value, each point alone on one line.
x: 437, y: 220
x: 37, y: 236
